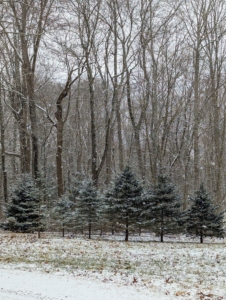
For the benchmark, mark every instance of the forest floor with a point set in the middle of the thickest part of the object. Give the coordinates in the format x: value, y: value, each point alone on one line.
x: 108, y: 268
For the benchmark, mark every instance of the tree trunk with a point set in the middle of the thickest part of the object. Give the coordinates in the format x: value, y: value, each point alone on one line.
x: 4, y: 172
x: 116, y: 88
x: 196, y: 119
x: 93, y: 124
x: 201, y: 236
x: 109, y: 159
x: 34, y: 139
x: 127, y: 228
x: 28, y: 74
x: 119, y: 133
x: 154, y: 105
x: 162, y: 226
x: 90, y: 227
x: 161, y: 235
x: 25, y: 150
x: 60, y: 129
x: 59, y: 165
x: 78, y: 137
x: 20, y: 110
x: 135, y: 127
x: 112, y: 230
x: 13, y: 159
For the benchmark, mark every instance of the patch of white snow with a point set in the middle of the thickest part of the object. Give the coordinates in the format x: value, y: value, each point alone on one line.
x: 25, y: 285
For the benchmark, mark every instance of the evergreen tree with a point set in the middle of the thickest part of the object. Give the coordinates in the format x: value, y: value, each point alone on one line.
x: 124, y: 200
x: 23, y: 211
x: 203, y: 218
x: 162, y: 207
x: 64, y: 212
x: 87, y: 206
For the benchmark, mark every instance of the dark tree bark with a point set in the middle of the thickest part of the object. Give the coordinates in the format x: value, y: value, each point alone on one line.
x: 201, y: 237
x: 127, y: 227
x: 4, y: 171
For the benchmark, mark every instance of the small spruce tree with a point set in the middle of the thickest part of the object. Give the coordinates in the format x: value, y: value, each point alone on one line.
x: 23, y: 212
x: 63, y: 213
x: 162, y: 207
x: 87, y: 206
x: 124, y: 200
x: 203, y: 218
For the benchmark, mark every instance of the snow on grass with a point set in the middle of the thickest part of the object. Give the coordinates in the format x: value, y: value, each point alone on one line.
x: 24, y: 285
x: 174, y: 270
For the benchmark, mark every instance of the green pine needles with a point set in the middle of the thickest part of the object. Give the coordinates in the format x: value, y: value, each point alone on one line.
x: 63, y: 213
x: 162, y: 208
x: 124, y: 201
x: 87, y: 207
x: 125, y: 207
x: 203, y: 218
x: 23, y: 211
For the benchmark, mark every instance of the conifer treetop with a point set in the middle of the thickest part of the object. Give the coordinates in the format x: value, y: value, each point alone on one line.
x: 127, y: 185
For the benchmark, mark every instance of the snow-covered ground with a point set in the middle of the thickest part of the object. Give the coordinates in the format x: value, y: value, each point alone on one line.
x: 77, y: 268
x: 24, y: 285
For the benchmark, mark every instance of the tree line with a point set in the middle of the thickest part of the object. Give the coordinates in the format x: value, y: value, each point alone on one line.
x: 88, y: 87
x: 124, y: 207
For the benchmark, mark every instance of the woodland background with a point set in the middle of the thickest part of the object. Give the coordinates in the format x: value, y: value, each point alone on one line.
x: 88, y: 87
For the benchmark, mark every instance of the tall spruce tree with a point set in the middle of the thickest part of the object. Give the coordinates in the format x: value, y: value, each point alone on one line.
x: 203, y: 218
x: 23, y: 212
x: 162, y: 207
x: 87, y: 207
x: 124, y: 200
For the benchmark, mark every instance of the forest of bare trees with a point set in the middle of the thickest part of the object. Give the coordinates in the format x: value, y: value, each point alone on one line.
x: 88, y: 87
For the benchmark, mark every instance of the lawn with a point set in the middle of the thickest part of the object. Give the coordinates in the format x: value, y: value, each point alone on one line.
x: 180, y: 270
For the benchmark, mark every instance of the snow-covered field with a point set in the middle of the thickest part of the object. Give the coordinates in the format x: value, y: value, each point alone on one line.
x: 77, y: 268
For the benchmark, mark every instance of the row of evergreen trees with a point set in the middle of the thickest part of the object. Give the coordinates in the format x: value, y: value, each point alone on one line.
x: 126, y: 206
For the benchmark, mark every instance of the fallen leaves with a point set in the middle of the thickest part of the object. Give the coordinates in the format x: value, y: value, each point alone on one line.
x: 135, y: 280
x: 180, y: 293
x: 169, y: 280
x: 203, y: 296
